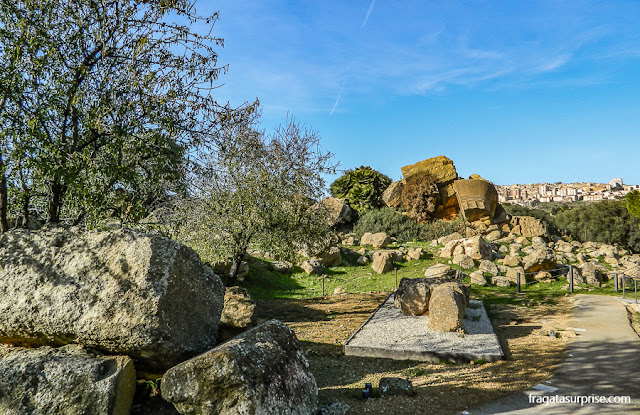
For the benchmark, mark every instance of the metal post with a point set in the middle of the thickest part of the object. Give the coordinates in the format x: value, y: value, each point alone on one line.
x: 635, y: 287
x: 323, y: 275
x: 615, y: 276
x: 396, y: 278
x: 570, y: 279
x: 519, y: 288
x: 624, y: 286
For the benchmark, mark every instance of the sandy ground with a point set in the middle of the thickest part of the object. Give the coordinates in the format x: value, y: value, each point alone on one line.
x: 323, y: 325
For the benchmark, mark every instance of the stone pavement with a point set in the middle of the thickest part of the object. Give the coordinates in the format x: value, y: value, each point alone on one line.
x: 604, y: 360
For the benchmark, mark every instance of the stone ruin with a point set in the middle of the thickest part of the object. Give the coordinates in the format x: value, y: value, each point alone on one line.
x: 443, y: 299
x: 474, y: 198
x: 84, y: 313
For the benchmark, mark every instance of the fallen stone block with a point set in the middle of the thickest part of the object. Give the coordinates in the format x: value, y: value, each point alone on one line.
x: 68, y: 380
x: 119, y: 292
x: 262, y: 371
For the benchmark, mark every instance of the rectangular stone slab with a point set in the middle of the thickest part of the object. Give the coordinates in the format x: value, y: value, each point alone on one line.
x: 388, y: 334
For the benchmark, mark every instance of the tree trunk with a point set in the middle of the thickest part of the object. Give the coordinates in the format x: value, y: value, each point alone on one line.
x: 55, y: 203
x: 232, y: 279
x: 236, y: 261
x: 4, y: 226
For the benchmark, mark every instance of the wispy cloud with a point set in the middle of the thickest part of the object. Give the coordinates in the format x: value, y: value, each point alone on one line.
x: 366, y: 16
x: 337, y: 101
x: 423, y: 48
x: 554, y: 62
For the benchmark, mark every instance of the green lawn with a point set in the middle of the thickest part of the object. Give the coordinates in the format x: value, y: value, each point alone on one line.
x: 263, y: 283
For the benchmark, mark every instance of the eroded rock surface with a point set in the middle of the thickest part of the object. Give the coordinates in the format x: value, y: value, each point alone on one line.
x: 68, y: 380
x: 120, y: 292
x: 263, y: 371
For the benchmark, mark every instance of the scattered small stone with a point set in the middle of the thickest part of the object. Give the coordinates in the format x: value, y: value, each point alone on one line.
x: 395, y: 387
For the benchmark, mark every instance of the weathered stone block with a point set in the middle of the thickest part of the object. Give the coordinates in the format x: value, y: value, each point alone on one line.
x: 121, y: 292
x: 68, y: 380
x: 262, y: 371
x: 446, y: 308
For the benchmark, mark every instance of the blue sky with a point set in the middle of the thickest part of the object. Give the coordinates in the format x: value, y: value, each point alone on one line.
x: 516, y: 91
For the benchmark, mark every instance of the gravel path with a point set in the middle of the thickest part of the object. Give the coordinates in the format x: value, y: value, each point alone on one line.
x: 604, y: 360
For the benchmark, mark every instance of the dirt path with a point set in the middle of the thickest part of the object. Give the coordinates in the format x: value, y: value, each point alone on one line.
x: 324, y: 325
x: 604, y: 360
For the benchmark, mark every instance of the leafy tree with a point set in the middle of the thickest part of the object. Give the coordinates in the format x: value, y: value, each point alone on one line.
x: 102, y: 98
x: 606, y: 222
x: 633, y: 203
x: 361, y: 187
x: 256, y: 192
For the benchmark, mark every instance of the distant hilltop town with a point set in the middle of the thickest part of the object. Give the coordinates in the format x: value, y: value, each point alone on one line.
x: 531, y: 194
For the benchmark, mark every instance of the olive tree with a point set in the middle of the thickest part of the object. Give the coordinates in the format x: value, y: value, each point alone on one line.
x: 257, y: 191
x: 100, y: 99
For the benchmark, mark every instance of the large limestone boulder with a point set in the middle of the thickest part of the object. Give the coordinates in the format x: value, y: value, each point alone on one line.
x: 513, y: 260
x: 336, y: 210
x: 67, y: 380
x: 412, y: 296
x: 238, y: 314
x: 330, y: 257
x: 392, y: 196
x: 542, y: 259
x: 446, y: 308
x: 451, y: 237
x: 262, y: 371
x: 376, y: 240
x: 437, y: 271
x: 121, y: 292
x: 512, y: 275
x: 382, y: 262
x: 477, y: 248
x: 528, y: 226
x: 464, y: 261
x: 591, y: 273
x: 415, y: 253
x: 565, y: 247
x: 224, y: 269
x: 477, y: 278
x: 312, y: 266
x: 477, y: 198
x: 488, y: 267
x: 440, y: 169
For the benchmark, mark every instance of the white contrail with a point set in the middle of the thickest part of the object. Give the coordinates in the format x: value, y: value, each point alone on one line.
x: 366, y: 17
x: 337, y: 100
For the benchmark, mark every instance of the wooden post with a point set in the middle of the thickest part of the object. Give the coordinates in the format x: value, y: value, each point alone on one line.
x: 518, y: 283
x: 635, y: 288
x: 323, y: 275
x: 624, y: 286
x: 396, y: 270
x: 570, y: 279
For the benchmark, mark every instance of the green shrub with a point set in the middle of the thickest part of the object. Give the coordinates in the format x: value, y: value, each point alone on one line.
x: 402, y: 227
x: 606, y: 222
x: 390, y: 221
x: 439, y: 228
x: 361, y: 187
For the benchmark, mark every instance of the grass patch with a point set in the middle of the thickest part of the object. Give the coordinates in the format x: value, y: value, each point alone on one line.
x: 264, y: 283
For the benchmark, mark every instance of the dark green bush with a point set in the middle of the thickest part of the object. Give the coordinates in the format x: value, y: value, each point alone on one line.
x: 361, y: 187
x: 402, y: 227
x: 607, y: 222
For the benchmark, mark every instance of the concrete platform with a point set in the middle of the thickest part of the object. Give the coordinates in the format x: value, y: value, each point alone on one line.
x: 388, y: 334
